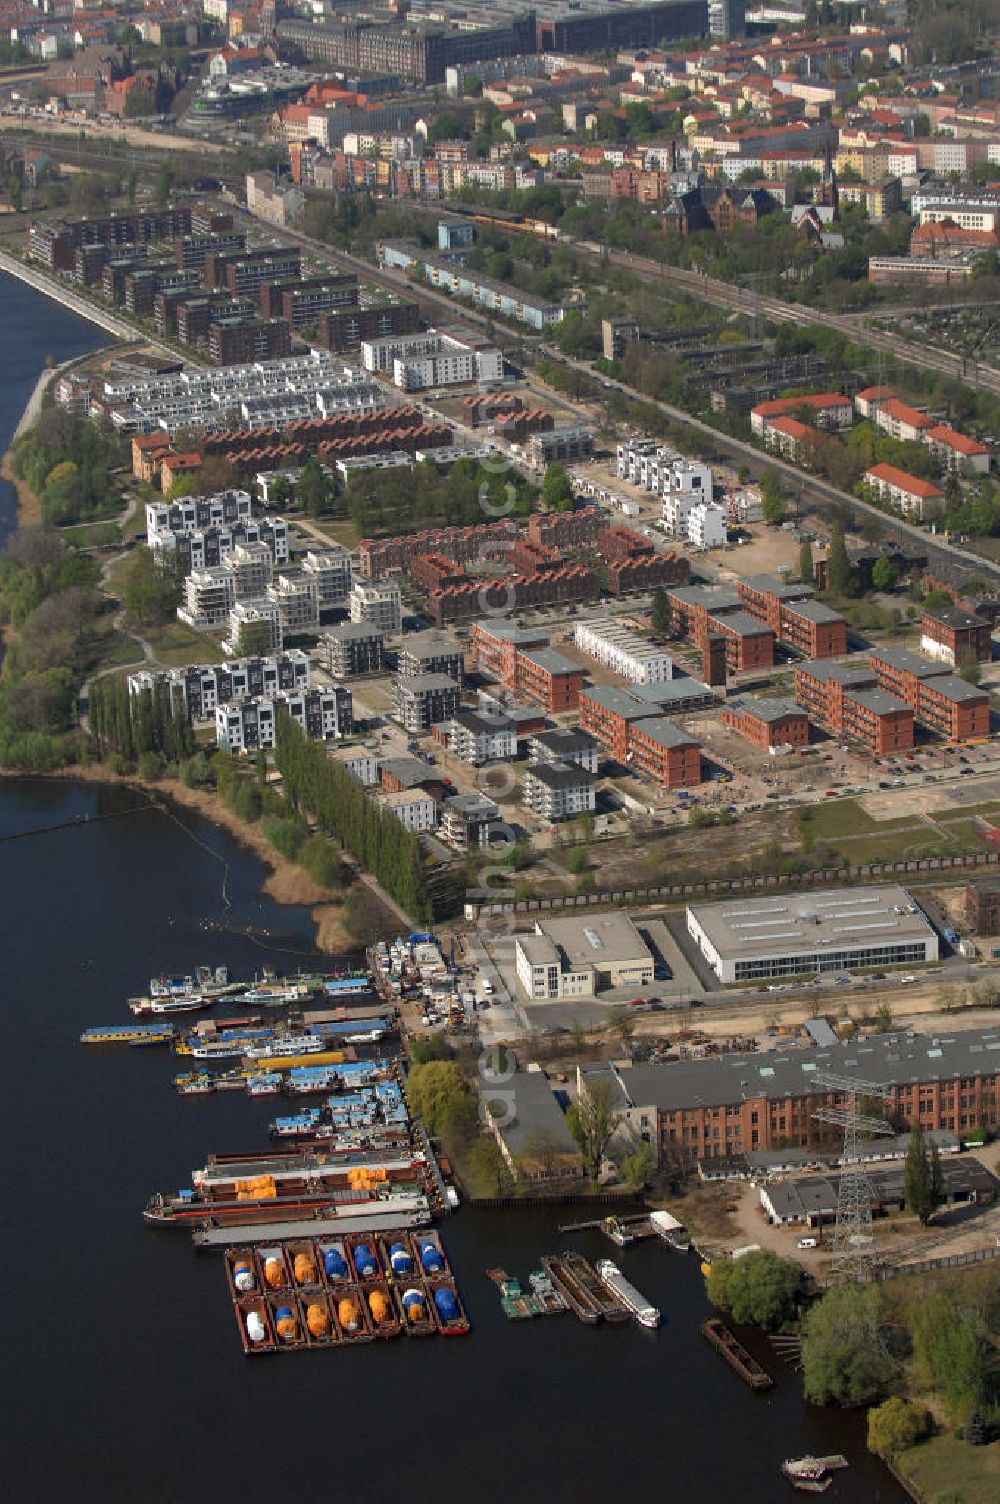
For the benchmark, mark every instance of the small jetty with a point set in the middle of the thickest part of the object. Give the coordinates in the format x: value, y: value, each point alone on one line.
x: 735, y: 1354
x: 811, y: 1475
x: 516, y: 1303
x: 622, y: 1231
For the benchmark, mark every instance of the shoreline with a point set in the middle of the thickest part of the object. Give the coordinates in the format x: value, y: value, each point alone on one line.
x: 27, y: 506
x: 286, y: 882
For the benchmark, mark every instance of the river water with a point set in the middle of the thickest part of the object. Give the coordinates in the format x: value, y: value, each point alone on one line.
x: 124, y: 1380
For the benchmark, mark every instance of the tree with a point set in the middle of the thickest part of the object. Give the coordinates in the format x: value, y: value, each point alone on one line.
x: 918, y: 1181
x: 313, y: 489
x: 844, y: 1358
x: 254, y: 640
x: 838, y: 566
x: 971, y: 670
x: 951, y: 1350
x: 760, y: 1289
x: 774, y: 508
x: 806, y: 570
x: 884, y: 575
x: 148, y: 591
x: 431, y: 1088
x: 164, y: 183
x: 896, y: 1425
x: 621, y: 1022
x: 592, y: 1121
x: 577, y: 861
x: 557, y: 492
x: 636, y: 1167
x: 883, y: 1018
x: 487, y: 1163
x: 542, y: 1154
x: 660, y: 615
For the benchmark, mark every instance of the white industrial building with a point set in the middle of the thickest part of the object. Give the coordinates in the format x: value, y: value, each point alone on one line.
x: 623, y: 651
x: 378, y: 604
x: 580, y: 957
x: 797, y: 934
x: 436, y: 358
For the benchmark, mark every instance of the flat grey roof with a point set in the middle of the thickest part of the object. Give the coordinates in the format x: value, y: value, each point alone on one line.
x: 564, y: 740
x: 675, y: 691
x: 878, y: 701
x: 889, y: 1059
x: 788, y: 924
x: 714, y: 597
x: 555, y: 662
x: 510, y: 631
x: 743, y: 624
x: 854, y: 675
x: 816, y: 1195
x: 536, y: 1113
x: 816, y: 611
x: 660, y: 730
x: 352, y: 631
x: 616, y: 701
x: 954, y: 688
x: 431, y: 644
x: 425, y: 683
x: 596, y: 939
x: 409, y: 770
x: 955, y: 617
x: 470, y: 804
x: 482, y: 720
x: 910, y: 663
x: 766, y: 709
x: 769, y: 584
x: 560, y: 775
x: 819, y: 1031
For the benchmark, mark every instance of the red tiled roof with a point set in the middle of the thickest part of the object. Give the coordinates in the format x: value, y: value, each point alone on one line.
x: 960, y: 442
x: 912, y: 484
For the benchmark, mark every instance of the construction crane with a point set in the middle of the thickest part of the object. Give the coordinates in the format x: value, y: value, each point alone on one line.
x: 854, y: 1255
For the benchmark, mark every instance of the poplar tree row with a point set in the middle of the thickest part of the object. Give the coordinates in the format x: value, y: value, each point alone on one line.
x: 340, y: 806
x: 129, y: 725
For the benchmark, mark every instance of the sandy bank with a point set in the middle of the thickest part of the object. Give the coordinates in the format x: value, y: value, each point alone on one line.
x: 29, y: 509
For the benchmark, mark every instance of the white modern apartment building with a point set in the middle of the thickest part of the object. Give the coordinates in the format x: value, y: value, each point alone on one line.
x: 248, y: 614
x: 331, y: 571
x: 479, y: 737
x: 706, y: 525
x: 249, y: 725
x: 623, y: 651
x: 436, y: 358
x: 209, y: 596
x: 378, y: 604
x: 252, y: 568
x: 296, y: 597
x: 361, y: 764
x: 202, y: 687
x: 558, y: 791
x: 414, y: 810
x: 193, y: 514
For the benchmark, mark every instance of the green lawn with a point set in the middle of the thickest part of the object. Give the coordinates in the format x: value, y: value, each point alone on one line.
x: 950, y: 1470
x: 902, y: 846
x: 178, y: 645
x: 838, y: 817
x: 338, y: 531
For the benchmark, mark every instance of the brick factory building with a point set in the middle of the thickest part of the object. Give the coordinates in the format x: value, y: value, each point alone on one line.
x: 768, y: 723
x: 737, y: 1104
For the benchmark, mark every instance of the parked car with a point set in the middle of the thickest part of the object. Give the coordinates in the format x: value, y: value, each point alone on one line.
x: 807, y: 1243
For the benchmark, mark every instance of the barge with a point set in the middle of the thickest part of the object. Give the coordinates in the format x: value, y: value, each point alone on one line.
x: 623, y: 1290
x: 515, y: 1302
x: 323, y: 1222
x: 138, y: 1033
x: 608, y: 1304
x: 735, y: 1354
x: 576, y: 1297
x: 550, y: 1302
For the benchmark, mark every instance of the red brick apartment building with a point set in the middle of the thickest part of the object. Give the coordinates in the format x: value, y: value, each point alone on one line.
x: 849, y: 701
x: 520, y: 657
x: 954, y: 635
x: 702, y: 611
x: 711, y: 1109
x: 982, y: 904
x: 431, y: 571
x: 808, y: 626
x: 663, y: 752
x: 379, y: 556
x: 646, y: 571
x: 767, y: 723
x: 649, y: 744
x: 940, y: 700
x: 563, y: 530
